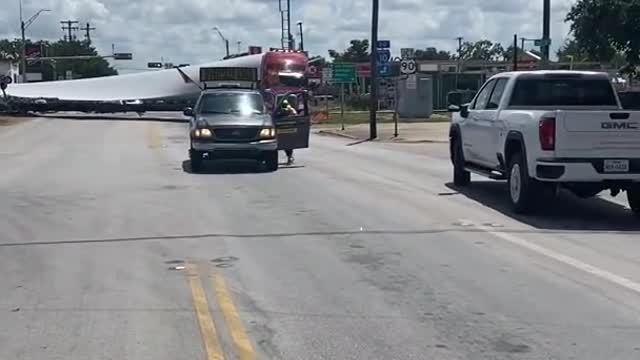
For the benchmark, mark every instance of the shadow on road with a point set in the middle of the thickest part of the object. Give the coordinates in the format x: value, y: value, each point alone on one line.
x: 226, y: 167
x: 565, y: 213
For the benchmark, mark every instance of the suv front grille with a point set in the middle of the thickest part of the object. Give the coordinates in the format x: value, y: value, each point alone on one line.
x: 236, y: 134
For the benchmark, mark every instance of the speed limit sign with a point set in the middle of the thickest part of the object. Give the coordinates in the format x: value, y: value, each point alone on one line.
x: 408, y: 67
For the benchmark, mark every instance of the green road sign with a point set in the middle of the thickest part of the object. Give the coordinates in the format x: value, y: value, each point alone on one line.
x: 542, y: 42
x: 343, y: 73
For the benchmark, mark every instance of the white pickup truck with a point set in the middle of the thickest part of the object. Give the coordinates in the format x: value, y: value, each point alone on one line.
x: 542, y: 130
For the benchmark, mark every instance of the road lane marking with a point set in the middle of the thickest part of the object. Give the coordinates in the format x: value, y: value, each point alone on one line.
x: 567, y: 260
x: 154, y: 137
x: 234, y: 323
x: 205, y: 320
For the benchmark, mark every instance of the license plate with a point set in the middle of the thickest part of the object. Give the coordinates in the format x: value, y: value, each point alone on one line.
x: 287, y: 131
x: 611, y: 166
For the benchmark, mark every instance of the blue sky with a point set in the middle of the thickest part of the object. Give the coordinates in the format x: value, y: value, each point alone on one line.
x: 181, y: 31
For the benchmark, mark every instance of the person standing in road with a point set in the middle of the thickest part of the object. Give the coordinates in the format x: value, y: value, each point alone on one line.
x: 289, y: 107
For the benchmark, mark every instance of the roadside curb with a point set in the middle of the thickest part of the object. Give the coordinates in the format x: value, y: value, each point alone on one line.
x: 424, y: 141
x: 107, y: 117
x: 391, y: 140
x: 337, y: 134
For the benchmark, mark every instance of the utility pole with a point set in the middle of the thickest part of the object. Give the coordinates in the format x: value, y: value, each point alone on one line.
x: 459, y: 38
x: 291, y: 43
x: 301, y: 36
x: 373, y: 101
x: 88, y: 30
x: 226, y: 41
x: 69, y: 28
x: 515, y: 52
x: 23, y: 28
x: 546, y: 31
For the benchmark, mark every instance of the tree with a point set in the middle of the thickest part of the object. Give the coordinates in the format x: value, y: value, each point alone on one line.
x: 482, y: 50
x: 357, y: 52
x: 432, y: 54
x: 604, y: 27
x: 11, y: 50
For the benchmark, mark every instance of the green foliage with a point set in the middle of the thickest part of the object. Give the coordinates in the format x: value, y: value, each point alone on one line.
x: 432, y: 54
x: 357, y: 52
x: 603, y: 28
x: 358, y: 103
x: 11, y: 49
x: 482, y: 50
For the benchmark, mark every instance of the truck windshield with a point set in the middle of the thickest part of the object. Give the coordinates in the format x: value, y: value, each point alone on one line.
x: 293, y: 81
x: 231, y: 103
x: 563, y: 92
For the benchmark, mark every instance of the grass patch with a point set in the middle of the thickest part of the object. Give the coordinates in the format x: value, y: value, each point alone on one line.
x: 8, y: 121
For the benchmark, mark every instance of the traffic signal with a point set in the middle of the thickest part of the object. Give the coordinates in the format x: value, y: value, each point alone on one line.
x: 123, y: 56
x: 155, y: 65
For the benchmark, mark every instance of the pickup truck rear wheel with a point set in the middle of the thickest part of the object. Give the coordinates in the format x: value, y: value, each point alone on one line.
x: 633, y: 195
x: 522, y: 188
x: 461, y: 177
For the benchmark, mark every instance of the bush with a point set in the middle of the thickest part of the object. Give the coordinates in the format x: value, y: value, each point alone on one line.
x: 358, y: 103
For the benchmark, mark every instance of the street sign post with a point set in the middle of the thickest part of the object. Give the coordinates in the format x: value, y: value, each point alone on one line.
x: 384, y: 58
x: 343, y: 73
x: 408, y: 67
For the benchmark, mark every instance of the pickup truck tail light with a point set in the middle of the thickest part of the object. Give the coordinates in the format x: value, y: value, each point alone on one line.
x: 547, y: 132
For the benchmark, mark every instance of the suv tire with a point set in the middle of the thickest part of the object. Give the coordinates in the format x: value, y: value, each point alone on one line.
x: 633, y: 195
x: 523, y: 189
x: 196, y: 160
x: 461, y: 177
x: 271, y: 161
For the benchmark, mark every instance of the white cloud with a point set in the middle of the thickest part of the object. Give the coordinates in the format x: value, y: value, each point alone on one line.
x: 181, y: 31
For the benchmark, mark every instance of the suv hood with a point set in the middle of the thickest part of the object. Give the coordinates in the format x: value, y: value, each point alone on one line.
x: 235, y: 120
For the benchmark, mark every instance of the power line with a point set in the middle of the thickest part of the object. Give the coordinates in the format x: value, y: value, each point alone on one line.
x: 70, y: 28
x: 87, y: 29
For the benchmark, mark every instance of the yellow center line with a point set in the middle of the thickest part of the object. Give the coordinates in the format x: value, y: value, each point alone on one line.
x: 201, y: 306
x: 238, y: 334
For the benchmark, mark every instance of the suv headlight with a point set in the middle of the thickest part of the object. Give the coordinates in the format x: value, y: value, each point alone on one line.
x: 202, y: 133
x: 268, y: 133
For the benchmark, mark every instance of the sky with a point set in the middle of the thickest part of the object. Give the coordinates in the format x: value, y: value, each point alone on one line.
x: 181, y: 31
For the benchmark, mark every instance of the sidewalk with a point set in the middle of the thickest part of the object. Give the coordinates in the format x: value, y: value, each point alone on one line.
x: 423, y: 132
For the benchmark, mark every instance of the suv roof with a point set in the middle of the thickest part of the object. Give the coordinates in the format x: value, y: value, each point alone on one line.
x: 230, y: 90
x: 551, y: 73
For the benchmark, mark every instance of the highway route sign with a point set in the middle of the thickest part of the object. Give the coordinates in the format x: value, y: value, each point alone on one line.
x: 384, y: 56
x: 383, y: 44
x: 408, y: 67
x: 343, y: 73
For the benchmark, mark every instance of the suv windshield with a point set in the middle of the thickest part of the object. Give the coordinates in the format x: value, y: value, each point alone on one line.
x: 563, y: 92
x: 231, y: 103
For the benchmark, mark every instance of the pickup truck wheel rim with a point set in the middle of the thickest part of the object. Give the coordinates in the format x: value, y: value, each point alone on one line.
x: 515, y: 183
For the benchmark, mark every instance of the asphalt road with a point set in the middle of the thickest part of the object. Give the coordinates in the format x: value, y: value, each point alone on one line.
x: 111, y: 249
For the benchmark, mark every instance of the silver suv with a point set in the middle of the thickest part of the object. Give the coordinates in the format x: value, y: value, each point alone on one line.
x: 232, y: 124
